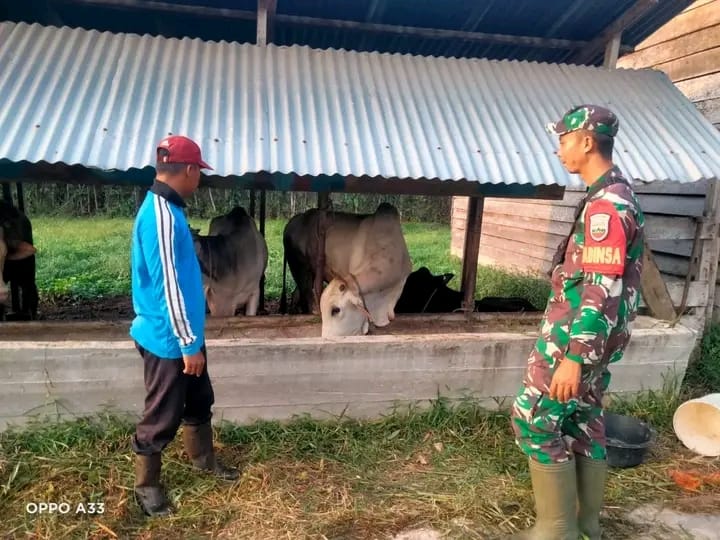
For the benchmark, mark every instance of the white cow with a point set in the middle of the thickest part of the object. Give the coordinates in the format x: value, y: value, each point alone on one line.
x: 233, y: 258
x: 368, y: 262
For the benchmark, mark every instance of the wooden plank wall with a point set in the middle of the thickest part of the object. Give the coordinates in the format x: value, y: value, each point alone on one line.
x: 687, y: 48
x: 521, y: 235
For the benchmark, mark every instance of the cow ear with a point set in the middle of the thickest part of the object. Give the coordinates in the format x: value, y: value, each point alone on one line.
x: 23, y: 251
x: 447, y: 278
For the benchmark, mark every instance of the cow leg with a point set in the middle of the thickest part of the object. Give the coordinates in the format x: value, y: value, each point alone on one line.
x: 15, y: 294
x: 252, y: 304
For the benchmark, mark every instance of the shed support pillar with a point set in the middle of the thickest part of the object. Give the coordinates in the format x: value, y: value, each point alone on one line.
x: 710, y: 253
x: 263, y: 207
x: 471, y: 252
x: 323, y: 200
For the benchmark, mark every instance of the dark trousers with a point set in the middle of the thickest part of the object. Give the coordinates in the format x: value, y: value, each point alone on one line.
x: 171, y: 397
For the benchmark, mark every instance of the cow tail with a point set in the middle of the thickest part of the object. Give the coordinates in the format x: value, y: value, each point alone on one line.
x: 283, y: 299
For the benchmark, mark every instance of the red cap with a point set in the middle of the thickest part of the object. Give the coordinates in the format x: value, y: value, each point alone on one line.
x: 182, y: 150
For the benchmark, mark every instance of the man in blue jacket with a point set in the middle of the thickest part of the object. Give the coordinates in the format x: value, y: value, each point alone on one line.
x: 169, y: 325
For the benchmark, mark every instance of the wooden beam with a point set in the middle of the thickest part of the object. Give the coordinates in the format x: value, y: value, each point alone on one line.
x: 631, y: 16
x: 692, y: 66
x: 654, y: 290
x: 471, y: 252
x: 421, y: 186
x: 681, y: 47
x: 687, y: 22
x: 710, y: 251
x: 612, y: 50
x: 433, y: 33
x: 167, y: 7
x: 266, y: 14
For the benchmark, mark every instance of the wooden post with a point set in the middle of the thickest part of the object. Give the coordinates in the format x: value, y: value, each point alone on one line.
x: 251, y: 209
x: 323, y: 200
x: 265, y: 14
x: 261, y: 304
x: 20, y: 197
x: 471, y: 252
x: 654, y: 290
x: 612, y: 50
x: 7, y: 194
x: 263, y: 36
x: 708, y: 268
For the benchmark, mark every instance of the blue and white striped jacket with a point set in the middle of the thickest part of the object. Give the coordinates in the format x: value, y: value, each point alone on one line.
x: 167, y: 288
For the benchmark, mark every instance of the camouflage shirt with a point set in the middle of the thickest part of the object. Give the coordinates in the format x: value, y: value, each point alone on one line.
x: 596, y: 288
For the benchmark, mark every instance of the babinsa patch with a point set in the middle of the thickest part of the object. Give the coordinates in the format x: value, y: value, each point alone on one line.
x: 599, y: 226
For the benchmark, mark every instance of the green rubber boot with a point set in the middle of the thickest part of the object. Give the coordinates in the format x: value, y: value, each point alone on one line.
x: 591, y: 475
x: 554, y: 487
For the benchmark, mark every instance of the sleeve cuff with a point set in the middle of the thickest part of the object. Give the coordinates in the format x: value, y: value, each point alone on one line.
x: 192, y: 348
x: 574, y: 357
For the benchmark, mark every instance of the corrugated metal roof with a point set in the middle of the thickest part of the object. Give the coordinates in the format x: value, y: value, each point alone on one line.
x: 104, y: 100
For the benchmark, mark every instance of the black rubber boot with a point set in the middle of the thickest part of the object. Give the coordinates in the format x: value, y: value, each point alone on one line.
x: 148, y: 492
x: 199, y: 447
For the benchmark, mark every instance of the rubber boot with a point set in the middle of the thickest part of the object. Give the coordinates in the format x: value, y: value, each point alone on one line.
x: 591, y: 474
x: 148, y: 492
x: 555, y: 491
x: 199, y: 447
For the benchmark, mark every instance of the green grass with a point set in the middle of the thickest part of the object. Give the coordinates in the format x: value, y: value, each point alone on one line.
x: 90, y: 257
x: 451, y: 467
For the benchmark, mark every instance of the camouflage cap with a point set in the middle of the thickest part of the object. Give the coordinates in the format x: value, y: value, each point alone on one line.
x: 590, y: 117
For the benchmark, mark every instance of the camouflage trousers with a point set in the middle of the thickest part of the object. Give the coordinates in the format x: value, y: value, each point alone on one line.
x: 549, y: 431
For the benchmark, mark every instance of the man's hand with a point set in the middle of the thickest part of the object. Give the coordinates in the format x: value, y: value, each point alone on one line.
x: 565, y: 383
x: 194, y: 363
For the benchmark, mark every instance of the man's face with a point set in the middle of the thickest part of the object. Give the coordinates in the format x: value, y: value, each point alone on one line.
x: 573, y: 150
x: 192, y: 178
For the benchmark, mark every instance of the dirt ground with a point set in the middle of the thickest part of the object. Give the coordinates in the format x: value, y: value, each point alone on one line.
x: 112, y: 308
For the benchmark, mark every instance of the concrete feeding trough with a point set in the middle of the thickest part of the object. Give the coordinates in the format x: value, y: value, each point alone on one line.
x: 275, y: 367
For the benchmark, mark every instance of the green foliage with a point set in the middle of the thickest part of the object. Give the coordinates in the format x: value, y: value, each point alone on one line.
x: 703, y: 373
x: 122, y: 201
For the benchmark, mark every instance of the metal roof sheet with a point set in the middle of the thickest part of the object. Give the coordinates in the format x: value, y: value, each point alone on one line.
x: 104, y: 100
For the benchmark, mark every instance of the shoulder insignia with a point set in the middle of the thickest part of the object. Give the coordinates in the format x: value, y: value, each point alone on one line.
x: 605, y: 246
x: 599, y: 226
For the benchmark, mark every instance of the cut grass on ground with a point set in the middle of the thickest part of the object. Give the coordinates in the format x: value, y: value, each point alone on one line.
x: 90, y: 257
x: 454, y: 468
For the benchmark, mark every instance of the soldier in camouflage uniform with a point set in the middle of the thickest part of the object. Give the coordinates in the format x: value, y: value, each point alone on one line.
x: 557, y: 416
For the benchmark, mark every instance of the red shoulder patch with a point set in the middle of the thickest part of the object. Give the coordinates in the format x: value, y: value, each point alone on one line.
x: 605, y: 242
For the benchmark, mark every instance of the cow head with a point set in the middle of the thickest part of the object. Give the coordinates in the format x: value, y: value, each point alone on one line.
x: 11, y: 249
x: 343, y: 310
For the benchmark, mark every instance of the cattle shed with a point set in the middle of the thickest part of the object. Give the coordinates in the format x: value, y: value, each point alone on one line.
x: 681, y: 218
x: 445, y: 99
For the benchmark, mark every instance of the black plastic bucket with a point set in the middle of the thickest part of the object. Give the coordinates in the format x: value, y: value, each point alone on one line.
x: 628, y: 439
